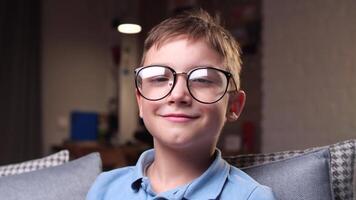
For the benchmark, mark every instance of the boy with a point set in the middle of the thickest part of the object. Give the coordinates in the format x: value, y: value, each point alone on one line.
x: 186, y: 89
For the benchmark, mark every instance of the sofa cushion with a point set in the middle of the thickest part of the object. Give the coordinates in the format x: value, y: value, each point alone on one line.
x: 305, y: 176
x: 71, y: 180
x: 341, y: 167
x: 32, y: 165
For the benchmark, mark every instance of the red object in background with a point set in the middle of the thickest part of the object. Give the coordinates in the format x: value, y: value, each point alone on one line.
x: 248, y: 137
x: 116, y: 54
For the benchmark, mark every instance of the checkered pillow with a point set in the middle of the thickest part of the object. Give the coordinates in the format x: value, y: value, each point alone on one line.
x: 32, y: 165
x: 342, y: 164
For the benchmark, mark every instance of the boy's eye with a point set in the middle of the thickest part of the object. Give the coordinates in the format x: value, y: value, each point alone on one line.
x: 202, y: 81
x: 158, y: 79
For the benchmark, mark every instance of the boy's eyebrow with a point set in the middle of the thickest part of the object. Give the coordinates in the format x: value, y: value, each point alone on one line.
x: 159, y: 64
x: 189, y: 67
x: 208, y: 65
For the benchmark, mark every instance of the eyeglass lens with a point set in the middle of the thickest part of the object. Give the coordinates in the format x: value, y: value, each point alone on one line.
x: 206, y: 85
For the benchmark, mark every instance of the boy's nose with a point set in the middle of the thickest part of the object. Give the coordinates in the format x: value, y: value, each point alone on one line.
x: 180, y: 93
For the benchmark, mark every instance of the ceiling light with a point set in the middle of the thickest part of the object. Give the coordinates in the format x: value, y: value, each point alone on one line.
x: 129, y: 28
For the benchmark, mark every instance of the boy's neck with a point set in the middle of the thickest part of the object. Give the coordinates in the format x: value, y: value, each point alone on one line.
x: 172, y: 168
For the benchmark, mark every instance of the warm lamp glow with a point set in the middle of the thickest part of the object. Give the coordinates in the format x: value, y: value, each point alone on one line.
x: 129, y: 28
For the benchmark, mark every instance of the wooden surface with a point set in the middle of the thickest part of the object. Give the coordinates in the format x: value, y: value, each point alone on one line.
x: 112, y: 156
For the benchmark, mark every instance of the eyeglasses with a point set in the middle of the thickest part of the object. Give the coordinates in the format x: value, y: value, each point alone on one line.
x: 205, y: 84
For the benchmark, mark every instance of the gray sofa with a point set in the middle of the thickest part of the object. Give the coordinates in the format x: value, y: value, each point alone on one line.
x: 317, y: 173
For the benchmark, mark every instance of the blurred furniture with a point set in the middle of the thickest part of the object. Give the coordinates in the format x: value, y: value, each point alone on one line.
x: 53, y: 160
x: 111, y: 156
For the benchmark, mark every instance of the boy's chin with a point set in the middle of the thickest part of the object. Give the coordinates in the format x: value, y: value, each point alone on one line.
x: 181, y: 142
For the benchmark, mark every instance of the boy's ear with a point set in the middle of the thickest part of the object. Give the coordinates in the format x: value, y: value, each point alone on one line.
x: 236, y: 105
x: 139, y: 103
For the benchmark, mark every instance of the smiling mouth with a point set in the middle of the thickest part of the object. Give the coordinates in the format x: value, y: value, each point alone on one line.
x: 179, y: 117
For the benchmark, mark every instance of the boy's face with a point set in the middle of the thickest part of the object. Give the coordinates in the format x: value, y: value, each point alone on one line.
x: 179, y: 121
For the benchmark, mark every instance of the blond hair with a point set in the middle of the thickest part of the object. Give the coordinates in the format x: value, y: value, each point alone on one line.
x: 198, y: 24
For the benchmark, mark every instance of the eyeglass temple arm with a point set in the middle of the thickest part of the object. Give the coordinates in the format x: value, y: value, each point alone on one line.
x: 233, y: 80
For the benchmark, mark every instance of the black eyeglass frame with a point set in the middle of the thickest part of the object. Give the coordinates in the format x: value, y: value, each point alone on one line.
x: 227, y: 74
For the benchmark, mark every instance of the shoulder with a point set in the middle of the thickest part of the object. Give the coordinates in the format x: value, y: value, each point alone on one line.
x: 262, y: 192
x: 241, y: 184
x: 115, y: 174
x: 118, y: 178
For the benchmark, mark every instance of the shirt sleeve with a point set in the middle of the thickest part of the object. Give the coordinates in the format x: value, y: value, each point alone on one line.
x: 262, y: 193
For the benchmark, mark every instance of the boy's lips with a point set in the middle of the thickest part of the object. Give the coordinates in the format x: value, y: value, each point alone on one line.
x: 179, y: 117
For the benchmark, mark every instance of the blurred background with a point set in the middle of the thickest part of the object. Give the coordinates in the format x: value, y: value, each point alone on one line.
x: 67, y: 74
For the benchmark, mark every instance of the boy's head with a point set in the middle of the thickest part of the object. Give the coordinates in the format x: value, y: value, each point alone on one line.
x: 198, y: 24
x: 183, y: 83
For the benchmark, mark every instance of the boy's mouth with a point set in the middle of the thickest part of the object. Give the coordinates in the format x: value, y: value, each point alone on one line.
x: 179, y: 117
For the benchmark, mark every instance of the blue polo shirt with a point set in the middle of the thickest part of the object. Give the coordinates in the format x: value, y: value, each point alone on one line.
x: 219, y: 181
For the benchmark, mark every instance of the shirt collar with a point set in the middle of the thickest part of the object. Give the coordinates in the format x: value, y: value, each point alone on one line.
x: 208, y: 185
x: 145, y: 160
x: 211, y: 182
